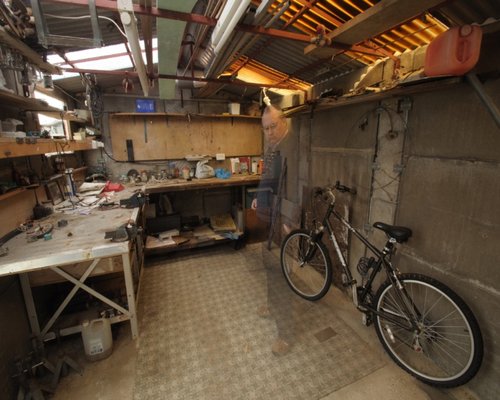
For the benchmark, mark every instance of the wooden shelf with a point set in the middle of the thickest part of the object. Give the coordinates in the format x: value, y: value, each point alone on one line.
x: 64, y: 115
x: 25, y: 103
x: 180, y: 115
x: 12, y: 193
x: 208, y: 238
x: 9, y: 148
x: 404, y: 89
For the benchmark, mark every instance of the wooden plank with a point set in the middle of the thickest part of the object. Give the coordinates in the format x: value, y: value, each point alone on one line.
x: 104, y: 266
x: 176, y: 185
x: 159, y: 137
x: 187, y: 116
x: 11, y: 193
x: 26, y: 103
x: 379, y: 18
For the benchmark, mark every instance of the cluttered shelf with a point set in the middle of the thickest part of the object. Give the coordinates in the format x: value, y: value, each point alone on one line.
x: 199, y: 237
x: 20, y: 147
x: 222, y: 227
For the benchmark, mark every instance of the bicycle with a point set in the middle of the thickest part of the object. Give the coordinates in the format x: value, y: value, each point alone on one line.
x: 425, y: 327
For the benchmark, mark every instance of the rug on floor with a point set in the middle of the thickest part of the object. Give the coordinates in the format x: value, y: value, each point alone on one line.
x: 201, y: 336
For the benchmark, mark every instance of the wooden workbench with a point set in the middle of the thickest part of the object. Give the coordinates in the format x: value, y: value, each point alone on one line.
x: 175, y: 185
x: 81, y: 241
x: 153, y: 245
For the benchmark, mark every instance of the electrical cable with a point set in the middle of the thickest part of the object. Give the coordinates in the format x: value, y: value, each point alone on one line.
x: 88, y: 17
x: 266, y: 99
x: 156, y: 162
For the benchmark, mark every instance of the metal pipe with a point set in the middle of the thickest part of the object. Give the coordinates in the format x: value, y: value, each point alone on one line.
x: 130, y: 25
x: 186, y: 78
x: 485, y: 98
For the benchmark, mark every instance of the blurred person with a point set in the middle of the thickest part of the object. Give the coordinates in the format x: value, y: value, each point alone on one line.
x: 278, y: 303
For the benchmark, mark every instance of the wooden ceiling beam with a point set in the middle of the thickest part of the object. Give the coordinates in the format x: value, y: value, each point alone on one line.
x: 379, y: 18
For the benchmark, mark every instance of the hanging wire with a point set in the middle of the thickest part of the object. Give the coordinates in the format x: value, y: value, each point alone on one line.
x: 88, y: 17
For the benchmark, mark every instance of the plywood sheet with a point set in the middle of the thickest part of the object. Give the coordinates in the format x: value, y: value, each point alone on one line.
x: 157, y: 137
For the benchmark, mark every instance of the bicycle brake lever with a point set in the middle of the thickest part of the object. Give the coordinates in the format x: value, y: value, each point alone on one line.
x: 343, y: 188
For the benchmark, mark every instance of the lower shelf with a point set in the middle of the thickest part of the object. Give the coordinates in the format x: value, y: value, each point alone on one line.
x: 200, y: 237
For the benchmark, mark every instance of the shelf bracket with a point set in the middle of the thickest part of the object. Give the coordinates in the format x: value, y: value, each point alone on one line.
x: 484, y: 96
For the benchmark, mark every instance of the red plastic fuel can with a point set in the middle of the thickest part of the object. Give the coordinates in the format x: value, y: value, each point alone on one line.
x: 454, y: 52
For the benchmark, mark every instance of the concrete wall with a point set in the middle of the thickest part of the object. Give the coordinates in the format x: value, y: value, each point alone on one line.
x: 449, y: 195
x: 430, y: 162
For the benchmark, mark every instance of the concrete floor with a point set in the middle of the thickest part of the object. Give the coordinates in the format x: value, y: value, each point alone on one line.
x: 113, y: 378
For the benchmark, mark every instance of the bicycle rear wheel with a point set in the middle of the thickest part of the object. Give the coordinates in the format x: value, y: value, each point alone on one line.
x: 306, y: 265
x: 447, y: 348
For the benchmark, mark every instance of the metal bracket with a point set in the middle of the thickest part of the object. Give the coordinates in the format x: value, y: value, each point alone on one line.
x: 483, y: 95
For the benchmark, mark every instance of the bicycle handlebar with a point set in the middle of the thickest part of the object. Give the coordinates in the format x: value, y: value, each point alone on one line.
x: 343, y: 188
x: 327, y: 191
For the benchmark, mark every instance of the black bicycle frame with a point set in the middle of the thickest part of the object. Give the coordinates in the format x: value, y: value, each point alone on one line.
x: 381, y: 259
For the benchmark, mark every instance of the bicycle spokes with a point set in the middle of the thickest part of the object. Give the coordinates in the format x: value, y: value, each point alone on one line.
x: 434, y: 339
x: 305, y: 264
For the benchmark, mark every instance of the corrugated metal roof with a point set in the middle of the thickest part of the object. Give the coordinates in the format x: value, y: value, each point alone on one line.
x: 305, y: 16
x: 284, y: 60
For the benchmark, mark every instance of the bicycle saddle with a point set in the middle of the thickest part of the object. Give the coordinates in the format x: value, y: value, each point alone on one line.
x: 400, y: 233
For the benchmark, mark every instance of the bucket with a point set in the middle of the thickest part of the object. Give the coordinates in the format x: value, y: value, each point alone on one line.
x: 454, y: 52
x: 234, y: 108
x: 97, y: 339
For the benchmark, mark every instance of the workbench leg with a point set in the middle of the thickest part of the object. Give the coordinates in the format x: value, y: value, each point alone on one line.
x: 30, y: 303
x: 129, y: 287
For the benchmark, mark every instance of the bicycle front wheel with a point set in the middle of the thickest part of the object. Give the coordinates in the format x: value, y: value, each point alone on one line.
x: 446, y: 349
x: 306, y: 265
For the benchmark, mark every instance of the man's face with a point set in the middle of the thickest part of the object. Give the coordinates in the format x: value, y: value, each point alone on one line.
x: 274, y: 126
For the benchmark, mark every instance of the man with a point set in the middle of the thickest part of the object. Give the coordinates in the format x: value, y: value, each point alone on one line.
x: 275, y: 130
x: 277, y: 304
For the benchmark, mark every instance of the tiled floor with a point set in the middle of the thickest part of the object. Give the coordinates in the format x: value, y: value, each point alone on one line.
x: 201, y: 337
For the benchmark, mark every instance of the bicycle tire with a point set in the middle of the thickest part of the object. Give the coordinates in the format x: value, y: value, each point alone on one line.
x: 448, y: 350
x: 310, y: 280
